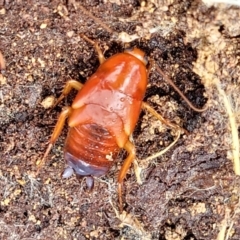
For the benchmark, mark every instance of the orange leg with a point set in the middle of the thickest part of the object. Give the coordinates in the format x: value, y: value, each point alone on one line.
x: 178, y: 131
x: 71, y: 84
x: 99, y: 51
x: 166, y: 122
x: 160, y: 118
x: 130, y: 148
x: 56, y: 132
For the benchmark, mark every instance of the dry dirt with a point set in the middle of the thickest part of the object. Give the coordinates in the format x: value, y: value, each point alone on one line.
x: 192, y: 191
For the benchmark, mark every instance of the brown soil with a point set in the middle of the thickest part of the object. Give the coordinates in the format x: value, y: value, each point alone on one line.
x: 191, y: 192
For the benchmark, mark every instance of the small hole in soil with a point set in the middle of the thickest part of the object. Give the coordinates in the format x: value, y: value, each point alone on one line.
x: 190, y: 236
x: 221, y: 28
x: 25, y: 213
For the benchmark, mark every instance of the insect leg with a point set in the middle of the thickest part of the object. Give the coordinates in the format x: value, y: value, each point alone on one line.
x: 158, y: 154
x: 99, y: 51
x: 168, y: 123
x: 130, y: 148
x: 71, y: 84
x: 160, y: 118
x: 56, y: 132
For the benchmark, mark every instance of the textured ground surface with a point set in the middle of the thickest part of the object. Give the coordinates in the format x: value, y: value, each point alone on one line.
x: 191, y: 192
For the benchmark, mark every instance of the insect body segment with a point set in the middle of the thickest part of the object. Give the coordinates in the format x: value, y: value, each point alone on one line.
x: 87, y: 149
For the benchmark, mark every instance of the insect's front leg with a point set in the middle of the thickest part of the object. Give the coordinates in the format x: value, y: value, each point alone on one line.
x: 130, y: 148
x: 97, y: 48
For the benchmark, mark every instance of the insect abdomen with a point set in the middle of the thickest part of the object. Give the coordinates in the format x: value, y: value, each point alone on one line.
x: 90, y: 149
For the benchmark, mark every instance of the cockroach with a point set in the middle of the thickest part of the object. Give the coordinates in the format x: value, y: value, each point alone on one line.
x: 103, y: 116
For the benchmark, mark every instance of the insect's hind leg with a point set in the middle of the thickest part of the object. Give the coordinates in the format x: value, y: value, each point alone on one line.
x: 178, y: 131
x: 130, y: 148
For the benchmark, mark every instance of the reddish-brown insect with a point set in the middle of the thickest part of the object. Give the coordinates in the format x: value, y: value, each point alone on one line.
x: 103, y: 116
